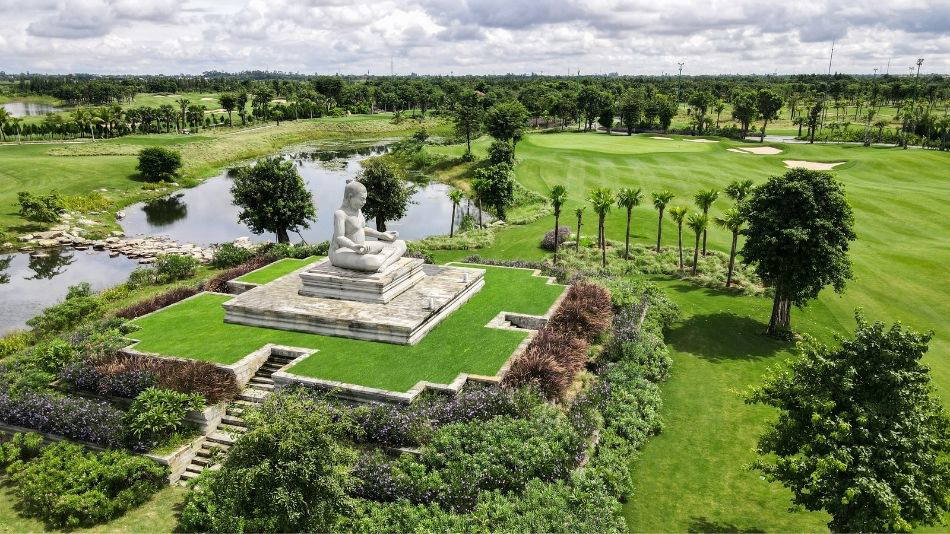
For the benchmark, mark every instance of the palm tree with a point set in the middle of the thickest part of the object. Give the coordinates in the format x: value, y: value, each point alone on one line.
x: 479, y: 188
x: 579, y: 212
x: 456, y: 197
x: 628, y: 198
x: 4, y: 119
x: 738, y: 190
x: 698, y: 223
x: 17, y: 123
x: 731, y: 220
x: 719, y: 107
x: 558, y: 196
x: 679, y: 213
x: 183, y: 104
x: 704, y: 199
x: 602, y: 199
x: 660, y: 200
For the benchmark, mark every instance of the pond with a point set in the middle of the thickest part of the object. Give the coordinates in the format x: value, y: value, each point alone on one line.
x: 204, y: 214
x: 25, y: 109
x: 30, y: 283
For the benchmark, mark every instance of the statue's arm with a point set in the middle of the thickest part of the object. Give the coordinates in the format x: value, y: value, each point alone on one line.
x: 339, y: 231
x: 385, y: 236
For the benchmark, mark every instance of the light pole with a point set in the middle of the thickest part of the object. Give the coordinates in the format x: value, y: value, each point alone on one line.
x: 679, y: 83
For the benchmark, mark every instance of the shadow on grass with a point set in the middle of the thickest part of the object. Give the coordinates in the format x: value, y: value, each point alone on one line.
x: 704, y: 524
x: 724, y: 336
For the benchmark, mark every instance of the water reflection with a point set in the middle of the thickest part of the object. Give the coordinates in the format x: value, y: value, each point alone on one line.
x: 165, y: 211
x: 49, y: 264
x: 25, y: 109
x: 4, y: 265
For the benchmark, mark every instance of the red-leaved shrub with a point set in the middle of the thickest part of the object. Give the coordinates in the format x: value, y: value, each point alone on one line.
x: 541, y: 369
x: 585, y: 312
x: 213, y: 383
x: 157, y: 302
x: 219, y: 283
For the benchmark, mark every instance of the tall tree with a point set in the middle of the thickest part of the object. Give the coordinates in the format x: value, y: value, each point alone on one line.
x: 800, y: 226
x: 456, y: 197
x: 388, y: 194
x: 557, y: 196
x: 731, y: 220
x: 860, y: 433
x: 602, y: 199
x: 467, y: 116
x: 768, y: 104
x: 183, y: 106
x: 697, y: 222
x: 480, y: 187
x: 499, y: 187
x: 704, y: 200
x: 579, y: 213
x: 505, y: 121
x: 628, y: 198
x: 719, y: 107
x: 606, y: 117
x: 273, y: 198
x: 240, y: 100
x: 660, y: 200
x: 745, y: 109
x: 679, y: 214
x: 228, y: 103
x: 631, y: 109
x: 700, y: 101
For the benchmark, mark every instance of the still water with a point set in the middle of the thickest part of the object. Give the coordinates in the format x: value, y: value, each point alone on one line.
x: 25, y: 109
x: 205, y: 215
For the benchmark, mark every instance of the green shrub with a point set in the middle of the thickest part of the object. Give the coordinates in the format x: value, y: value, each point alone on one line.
x: 22, y: 447
x: 468, y: 240
x: 14, y: 342
x: 68, y: 487
x: 157, y: 414
x: 78, y: 306
x: 230, y: 255
x: 141, y: 277
x: 43, y: 209
x: 174, y: 267
x: 159, y: 163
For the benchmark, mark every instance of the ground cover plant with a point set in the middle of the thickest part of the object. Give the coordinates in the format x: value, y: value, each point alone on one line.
x: 195, y: 329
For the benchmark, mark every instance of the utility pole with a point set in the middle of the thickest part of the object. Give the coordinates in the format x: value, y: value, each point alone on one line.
x: 391, y: 70
x: 830, y: 57
x: 679, y: 83
x: 888, y: 69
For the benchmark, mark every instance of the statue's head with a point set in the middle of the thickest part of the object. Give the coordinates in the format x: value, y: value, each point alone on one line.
x: 354, y: 195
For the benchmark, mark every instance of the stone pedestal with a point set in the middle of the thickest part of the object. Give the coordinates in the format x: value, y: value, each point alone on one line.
x: 327, y: 281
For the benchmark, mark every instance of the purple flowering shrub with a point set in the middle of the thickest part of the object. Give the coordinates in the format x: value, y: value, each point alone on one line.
x: 563, y: 233
x: 86, y: 376
x: 75, y: 418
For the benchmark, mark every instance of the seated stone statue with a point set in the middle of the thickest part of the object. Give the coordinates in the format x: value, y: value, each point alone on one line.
x: 348, y: 246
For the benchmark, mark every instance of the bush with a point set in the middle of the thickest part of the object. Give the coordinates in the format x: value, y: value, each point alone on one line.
x: 159, y: 163
x: 22, y: 447
x: 470, y: 240
x: 68, y: 487
x: 501, y: 152
x: 585, y: 312
x: 289, y: 473
x: 157, y: 302
x: 141, y: 277
x: 78, y: 306
x: 157, y: 414
x: 174, y: 267
x: 230, y: 255
x: 563, y: 234
x: 14, y: 341
x: 550, y: 362
x: 42, y: 209
x: 71, y: 417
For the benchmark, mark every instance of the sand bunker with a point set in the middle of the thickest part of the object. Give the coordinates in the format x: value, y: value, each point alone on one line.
x: 663, y: 138
x: 813, y: 165
x: 762, y: 150
x: 701, y: 140
x: 736, y: 150
x: 208, y: 99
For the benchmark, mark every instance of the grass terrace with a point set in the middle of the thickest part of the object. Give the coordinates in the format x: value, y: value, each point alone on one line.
x: 195, y: 328
x: 275, y: 270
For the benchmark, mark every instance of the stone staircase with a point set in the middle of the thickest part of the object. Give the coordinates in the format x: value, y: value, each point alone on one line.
x: 232, y: 425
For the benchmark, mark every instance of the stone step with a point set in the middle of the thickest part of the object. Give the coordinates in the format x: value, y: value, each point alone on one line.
x: 221, y: 437
x: 192, y: 468
x: 253, y: 395
x: 200, y: 461
x: 233, y: 421
x: 207, y: 452
x: 235, y: 411
x: 232, y: 429
x: 257, y: 379
x: 263, y: 387
x: 188, y: 475
x: 243, y: 404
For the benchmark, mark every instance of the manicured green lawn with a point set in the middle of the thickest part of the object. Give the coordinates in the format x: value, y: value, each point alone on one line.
x: 275, y: 270
x: 693, y: 475
x: 461, y: 343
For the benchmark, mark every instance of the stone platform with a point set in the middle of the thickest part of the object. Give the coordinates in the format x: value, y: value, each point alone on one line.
x: 326, y: 281
x: 405, y: 319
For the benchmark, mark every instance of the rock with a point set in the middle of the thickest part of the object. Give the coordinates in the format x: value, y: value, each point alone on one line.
x: 87, y: 222
x: 114, y: 254
x: 146, y: 261
x: 81, y: 247
x: 47, y: 242
x: 119, y: 215
x: 103, y: 189
x: 52, y: 234
x: 27, y: 237
x: 112, y: 240
x: 66, y: 217
x: 98, y: 245
x: 116, y: 233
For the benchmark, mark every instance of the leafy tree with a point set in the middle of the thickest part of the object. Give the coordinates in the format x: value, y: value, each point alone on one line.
x: 679, y: 214
x: 601, y: 199
x: 499, y: 187
x: 738, y: 190
x: 228, y: 103
x: 799, y: 231
x: 579, y: 213
x: 480, y: 191
x: 183, y: 106
x: 719, y: 106
x: 731, y: 220
x: 697, y: 222
x: 704, y: 200
x: 860, y: 433
x: 745, y: 109
x: 240, y: 100
x: 501, y: 152
x: 700, y: 102
x: 660, y: 200
x: 467, y: 117
x: 665, y: 110
x: 456, y: 197
x: 273, y: 198
x: 505, y: 121
x: 814, y: 120
x: 158, y: 163
x: 41, y: 208
x: 557, y: 196
x: 768, y: 104
x: 628, y: 198
x: 606, y: 118
x: 631, y: 108
x: 388, y: 194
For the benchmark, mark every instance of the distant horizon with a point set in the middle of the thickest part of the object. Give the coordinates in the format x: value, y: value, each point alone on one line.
x: 473, y: 37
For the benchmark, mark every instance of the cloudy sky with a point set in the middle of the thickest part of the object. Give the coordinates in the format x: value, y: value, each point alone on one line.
x: 473, y: 36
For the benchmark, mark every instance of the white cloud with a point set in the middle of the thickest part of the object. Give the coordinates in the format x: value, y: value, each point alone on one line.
x: 472, y: 36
